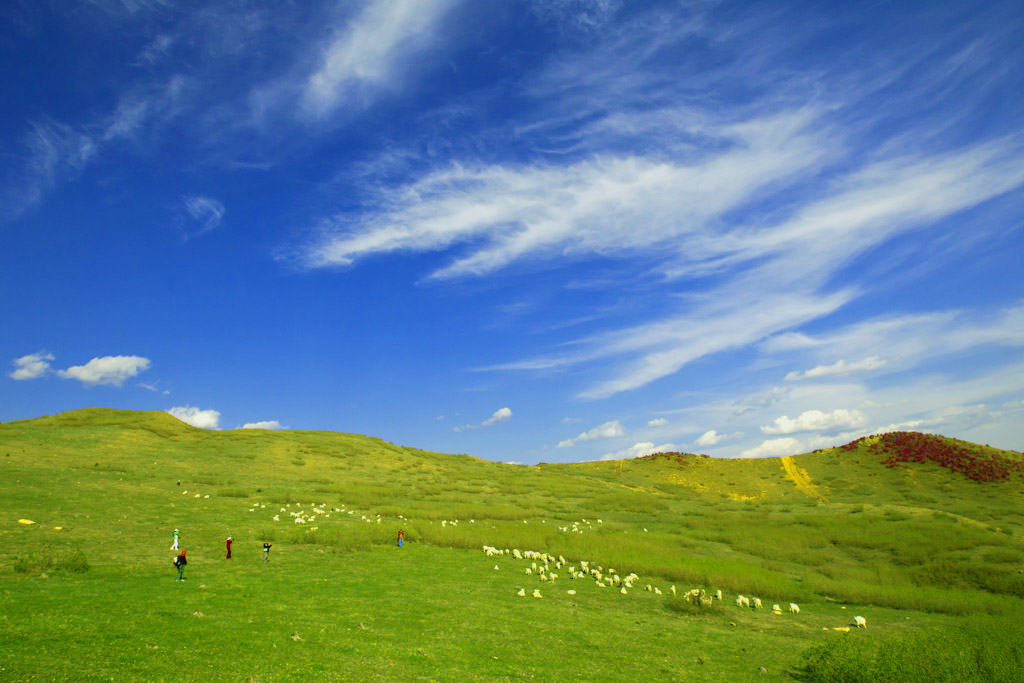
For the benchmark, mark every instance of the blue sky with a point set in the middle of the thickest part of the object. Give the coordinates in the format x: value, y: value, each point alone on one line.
x: 527, y: 231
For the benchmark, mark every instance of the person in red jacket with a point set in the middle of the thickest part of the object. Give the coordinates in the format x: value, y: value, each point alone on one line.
x: 228, y: 544
x: 401, y: 537
x: 180, y: 563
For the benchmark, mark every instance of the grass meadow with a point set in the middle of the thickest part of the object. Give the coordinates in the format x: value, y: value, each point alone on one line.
x: 930, y: 558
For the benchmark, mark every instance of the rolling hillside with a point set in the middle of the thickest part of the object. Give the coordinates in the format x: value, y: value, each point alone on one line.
x: 862, y: 528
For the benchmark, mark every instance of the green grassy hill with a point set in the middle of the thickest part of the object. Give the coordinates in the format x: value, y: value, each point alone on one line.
x: 88, y: 591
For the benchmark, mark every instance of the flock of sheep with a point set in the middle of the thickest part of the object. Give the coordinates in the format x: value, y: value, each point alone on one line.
x: 603, y: 578
x: 609, y: 578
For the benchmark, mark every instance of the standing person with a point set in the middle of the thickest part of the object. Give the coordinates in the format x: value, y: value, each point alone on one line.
x: 266, y: 551
x: 174, y: 546
x: 401, y: 537
x: 180, y: 563
x: 228, y: 544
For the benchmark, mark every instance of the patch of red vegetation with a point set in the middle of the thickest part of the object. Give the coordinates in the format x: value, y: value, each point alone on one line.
x: 677, y: 457
x: 909, y: 447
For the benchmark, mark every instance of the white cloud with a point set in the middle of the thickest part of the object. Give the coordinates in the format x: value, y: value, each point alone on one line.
x: 759, y: 401
x: 500, y: 415
x: 32, y: 366
x: 712, y: 438
x: 206, y: 211
x: 657, y: 422
x: 265, y: 424
x: 815, y: 421
x: 383, y: 39
x: 204, y: 419
x: 839, y: 368
x: 603, y: 431
x: 639, y: 450
x: 113, y: 370
x: 774, y: 447
x: 571, y: 420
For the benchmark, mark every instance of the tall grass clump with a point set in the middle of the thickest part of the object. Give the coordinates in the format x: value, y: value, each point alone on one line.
x: 67, y: 560
x: 980, y: 651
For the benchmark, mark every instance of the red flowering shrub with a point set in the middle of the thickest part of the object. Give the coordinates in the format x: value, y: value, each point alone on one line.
x: 910, y: 447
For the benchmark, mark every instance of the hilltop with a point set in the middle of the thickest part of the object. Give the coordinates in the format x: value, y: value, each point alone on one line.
x: 906, y: 528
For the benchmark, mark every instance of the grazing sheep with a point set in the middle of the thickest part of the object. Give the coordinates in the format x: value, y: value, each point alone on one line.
x: 277, y: 518
x: 742, y: 601
x: 673, y: 589
x: 776, y: 608
x: 757, y: 603
x: 495, y: 567
x: 623, y: 590
x: 536, y: 593
x: 516, y: 554
x: 571, y: 592
x: 843, y: 629
x: 793, y: 608
x: 522, y: 593
x: 861, y: 622
x: 529, y: 571
x: 718, y: 594
x: 657, y: 591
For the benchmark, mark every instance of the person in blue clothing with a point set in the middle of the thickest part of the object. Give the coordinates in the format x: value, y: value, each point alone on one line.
x: 401, y: 537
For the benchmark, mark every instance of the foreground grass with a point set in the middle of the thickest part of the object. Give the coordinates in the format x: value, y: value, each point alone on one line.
x: 915, y: 550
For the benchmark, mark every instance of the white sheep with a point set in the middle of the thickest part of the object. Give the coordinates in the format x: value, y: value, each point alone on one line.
x: 529, y: 571
x: 718, y: 594
x: 657, y: 591
x: 277, y: 518
x: 673, y: 590
x: 776, y: 608
x: 794, y: 608
x: 861, y: 622
x: 522, y: 593
x: 742, y: 601
x: 757, y: 603
x: 623, y: 590
x: 571, y: 592
x: 536, y: 593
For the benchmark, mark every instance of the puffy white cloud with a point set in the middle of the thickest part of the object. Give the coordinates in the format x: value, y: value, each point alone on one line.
x: 265, y: 424
x: 657, y: 422
x: 603, y: 431
x: 113, y: 370
x: 500, y: 415
x: 839, y: 368
x: 815, y: 421
x: 31, y: 366
x: 774, y: 447
x: 204, y: 419
x: 712, y: 437
x: 639, y: 450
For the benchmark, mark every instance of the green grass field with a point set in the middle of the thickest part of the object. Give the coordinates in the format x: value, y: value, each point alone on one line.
x: 929, y: 557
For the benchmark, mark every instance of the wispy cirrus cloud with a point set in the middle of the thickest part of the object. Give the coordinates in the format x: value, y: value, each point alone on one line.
x: 207, y: 212
x: 839, y: 368
x: 372, y: 53
x: 771, y: 193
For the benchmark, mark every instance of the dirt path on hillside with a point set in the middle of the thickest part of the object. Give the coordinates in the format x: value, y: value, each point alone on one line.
x: 801, y: 479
